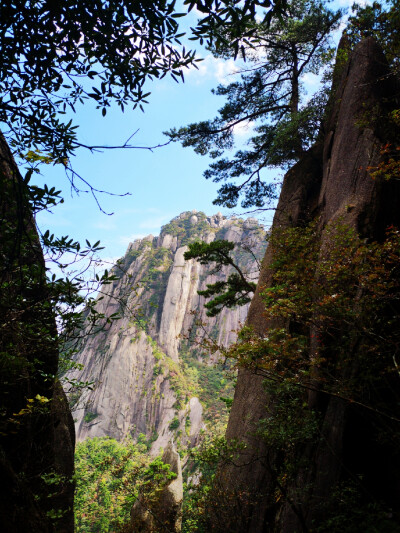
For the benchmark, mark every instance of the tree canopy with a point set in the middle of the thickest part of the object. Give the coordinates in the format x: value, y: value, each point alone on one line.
x: 55, y: 56
x: 380, y: 20
x: 270, y: 97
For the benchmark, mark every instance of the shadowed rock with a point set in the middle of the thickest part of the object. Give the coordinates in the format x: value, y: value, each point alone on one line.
x: 330, y: 183
x: 165, y: 514
x: 36, y: 428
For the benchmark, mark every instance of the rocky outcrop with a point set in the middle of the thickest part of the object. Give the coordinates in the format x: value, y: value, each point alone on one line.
x: 143, y: 364
x: 165, y: 512
x: 330, y: 183
x: 36, y: 428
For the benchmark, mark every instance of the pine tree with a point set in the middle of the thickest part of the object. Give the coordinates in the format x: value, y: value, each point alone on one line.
x: 270, y: 96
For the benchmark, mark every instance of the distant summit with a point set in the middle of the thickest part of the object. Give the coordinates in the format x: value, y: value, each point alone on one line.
x: 151, y: 377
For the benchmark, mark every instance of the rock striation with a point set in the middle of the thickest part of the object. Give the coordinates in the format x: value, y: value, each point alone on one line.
x: 145, y: 364
x: 330, y: 183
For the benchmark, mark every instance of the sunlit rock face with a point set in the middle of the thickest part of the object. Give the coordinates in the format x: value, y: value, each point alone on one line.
x: 139, y: 363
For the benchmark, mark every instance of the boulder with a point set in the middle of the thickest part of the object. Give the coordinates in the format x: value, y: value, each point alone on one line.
x: 164, y: 514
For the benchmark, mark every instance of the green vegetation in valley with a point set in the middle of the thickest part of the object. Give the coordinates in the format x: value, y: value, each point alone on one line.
x: 110, y: 476
x: 211, y: 383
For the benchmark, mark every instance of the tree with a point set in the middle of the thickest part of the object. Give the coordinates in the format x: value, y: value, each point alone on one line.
x: 381, y: 22
x: 54, y: 57
x: 57, y: 56
x: 111, y: 475
x: 269, y: 94
x: 236, y: 290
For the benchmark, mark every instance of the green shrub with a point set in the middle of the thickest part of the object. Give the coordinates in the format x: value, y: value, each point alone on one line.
x: 110, y: 475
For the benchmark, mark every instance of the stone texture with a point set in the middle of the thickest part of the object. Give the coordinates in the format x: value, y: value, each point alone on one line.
x: 37, y: 441
x: 131, y: 394
x: 331, y: 181
x: 182, y: 282
x: 165, y: 514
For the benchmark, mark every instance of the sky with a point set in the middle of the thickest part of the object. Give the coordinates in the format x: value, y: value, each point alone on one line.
x: 159, y: 184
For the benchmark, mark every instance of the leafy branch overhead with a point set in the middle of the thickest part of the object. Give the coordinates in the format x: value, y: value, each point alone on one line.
x: 236, y: 290
x: 57, y: 55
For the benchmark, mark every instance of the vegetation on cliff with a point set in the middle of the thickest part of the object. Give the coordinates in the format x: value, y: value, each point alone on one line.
x: 159, y: 359
x: 344, y: 310
x: 329, y: 357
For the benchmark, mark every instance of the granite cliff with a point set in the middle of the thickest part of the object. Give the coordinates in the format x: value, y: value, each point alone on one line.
x: 149, y: 375
x: 343, y: 476
x: 36, y: 429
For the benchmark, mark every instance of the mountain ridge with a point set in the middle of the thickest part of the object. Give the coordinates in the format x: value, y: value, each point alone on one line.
x: 150, y: 381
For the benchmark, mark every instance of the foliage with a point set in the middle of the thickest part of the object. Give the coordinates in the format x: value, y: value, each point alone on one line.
x: 210, y: 381
x: 333, y: 312
x: 382, y: 21
x: 89, y: 417
x: 268, y: 95
x: 185, y: 228
x: 290, y: 422
x: 110, y: 476
x: 231, y: 22
x: 203, y: 494
x: 337, y: 303
x: 347, y: 512
x: 54, y: 58
x: 174, y: 423
x: 235, y: 290
x: 181, y: 379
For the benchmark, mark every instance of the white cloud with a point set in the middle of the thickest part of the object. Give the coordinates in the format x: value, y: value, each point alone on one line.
x: 243, y: 129
x: 349, y: 3
x: 225, y: 70
x: 311, y: 81
x: 212, y: 68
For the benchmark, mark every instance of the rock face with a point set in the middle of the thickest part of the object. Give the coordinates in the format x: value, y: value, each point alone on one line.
x: 36, y: 427
x: 165, y: 514
x: 142, y: 365
x: 330, y: 183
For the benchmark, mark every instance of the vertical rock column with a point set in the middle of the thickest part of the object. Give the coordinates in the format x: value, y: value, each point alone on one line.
x: 36, y: 428
x: 164, y: 514
x: 331, y: 183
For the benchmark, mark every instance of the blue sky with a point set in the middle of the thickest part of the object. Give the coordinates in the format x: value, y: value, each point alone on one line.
x: 161, y: 184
